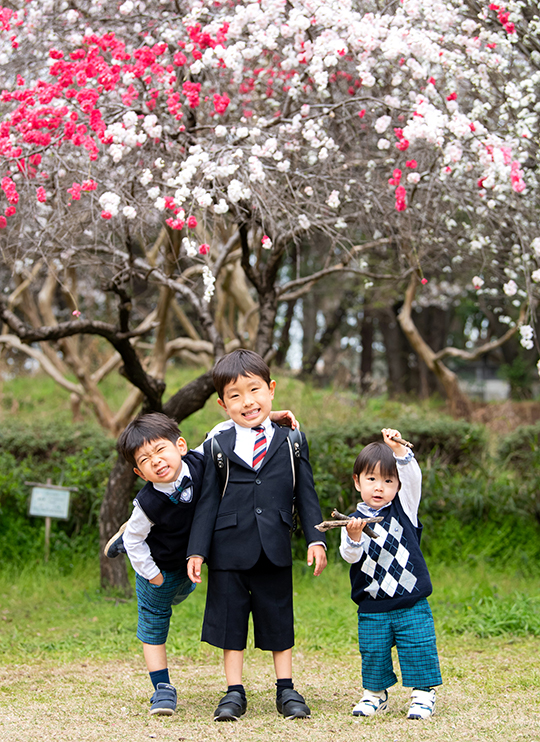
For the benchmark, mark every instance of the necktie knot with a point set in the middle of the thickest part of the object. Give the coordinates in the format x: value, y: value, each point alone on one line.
x: 259, y: 449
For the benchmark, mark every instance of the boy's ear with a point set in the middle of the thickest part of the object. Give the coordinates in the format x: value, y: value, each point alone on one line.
x: 356, y: 482
x: 182, y: 446
x: 272, y: 386
x: 221, y: 403
x: 139, y: 474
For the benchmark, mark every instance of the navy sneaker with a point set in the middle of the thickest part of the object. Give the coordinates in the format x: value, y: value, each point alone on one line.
x: 115, y: 545
x: 163, y: 700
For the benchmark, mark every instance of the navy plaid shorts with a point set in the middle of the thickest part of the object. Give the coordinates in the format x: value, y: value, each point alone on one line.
x: 412, y: 631
x: 154, y: 604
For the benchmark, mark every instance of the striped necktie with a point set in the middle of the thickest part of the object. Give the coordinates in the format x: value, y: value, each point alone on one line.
x: 259, y: 450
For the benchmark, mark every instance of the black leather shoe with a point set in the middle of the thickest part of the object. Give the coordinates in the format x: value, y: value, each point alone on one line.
x: 292, y: 705
x: 231, y: 707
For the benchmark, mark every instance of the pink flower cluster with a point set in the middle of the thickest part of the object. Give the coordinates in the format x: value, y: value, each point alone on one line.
x: 516, y: 177
x: 503, y: 15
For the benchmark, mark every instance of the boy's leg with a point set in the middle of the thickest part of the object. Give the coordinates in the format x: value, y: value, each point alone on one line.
x: 154, y: 604
x: 234, y: 703
x: 418, y: 657
x: 375, y: 641
x: 417, y: 646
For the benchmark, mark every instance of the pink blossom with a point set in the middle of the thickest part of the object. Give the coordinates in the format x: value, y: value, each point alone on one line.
x: 41, y: 194
x: 3, y: 222
x: 362, y: 113
x: 411, y: 163
x: 75, y: 192
x: 423, y: 281
x: 204, y: 249
x: 396, y: 177
x: 175, y: 223
x: 76, y: 313
x: 221, y: 102
x: 191, y: 222
x: 401, y: 198
x: 10, y: 211
x: 106, y: 215
x: 89, y: 185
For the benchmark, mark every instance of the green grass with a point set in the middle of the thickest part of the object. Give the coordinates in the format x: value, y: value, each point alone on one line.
x: 48, y: 614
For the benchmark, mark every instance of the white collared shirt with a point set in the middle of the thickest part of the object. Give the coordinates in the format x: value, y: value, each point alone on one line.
x: 245, y: 440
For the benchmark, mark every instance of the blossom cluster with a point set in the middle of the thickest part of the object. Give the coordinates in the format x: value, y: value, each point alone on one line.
x: 301, y: 116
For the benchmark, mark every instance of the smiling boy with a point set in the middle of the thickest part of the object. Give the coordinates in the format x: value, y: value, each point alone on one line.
x: 244, y: 533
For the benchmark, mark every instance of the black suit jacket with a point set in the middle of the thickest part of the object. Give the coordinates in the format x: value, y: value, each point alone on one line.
x: 255, y: 513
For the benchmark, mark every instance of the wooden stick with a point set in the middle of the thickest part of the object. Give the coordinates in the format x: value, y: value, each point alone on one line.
x: 342, y: 520
x: 403, y: 443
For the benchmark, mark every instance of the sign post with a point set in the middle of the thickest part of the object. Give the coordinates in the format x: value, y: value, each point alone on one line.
x: 49, y: 501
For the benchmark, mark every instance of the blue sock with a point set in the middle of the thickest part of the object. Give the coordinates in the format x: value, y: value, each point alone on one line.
x: 159, y: 676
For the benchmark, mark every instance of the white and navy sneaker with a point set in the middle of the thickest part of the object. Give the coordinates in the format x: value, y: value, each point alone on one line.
x: 372, y: 703
x: 422, y: 704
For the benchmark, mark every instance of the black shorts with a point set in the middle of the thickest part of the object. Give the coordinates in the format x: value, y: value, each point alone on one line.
x: 264, y: 591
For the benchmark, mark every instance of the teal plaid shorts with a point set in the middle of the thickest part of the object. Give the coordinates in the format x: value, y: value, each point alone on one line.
x: 154, y: 604
x: 412, y: 631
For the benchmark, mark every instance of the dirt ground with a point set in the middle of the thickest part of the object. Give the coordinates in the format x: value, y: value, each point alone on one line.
x: 504, y: 417
x: 491, y: 692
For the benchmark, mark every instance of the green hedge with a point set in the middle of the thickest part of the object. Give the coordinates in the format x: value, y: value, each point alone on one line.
x: 474, y: 506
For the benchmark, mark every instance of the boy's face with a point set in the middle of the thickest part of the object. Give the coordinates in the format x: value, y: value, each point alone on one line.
x: 160, y: 461
x: 248, y: 400
x: 376, y: 490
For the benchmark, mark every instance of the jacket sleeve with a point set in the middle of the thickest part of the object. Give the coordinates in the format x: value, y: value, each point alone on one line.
x: 307, y: 502
x: 204, y: 520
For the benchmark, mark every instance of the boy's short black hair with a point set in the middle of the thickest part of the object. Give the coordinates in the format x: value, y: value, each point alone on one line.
x: 377, y: 453
x: 240, y: 362
x: 145, y: 429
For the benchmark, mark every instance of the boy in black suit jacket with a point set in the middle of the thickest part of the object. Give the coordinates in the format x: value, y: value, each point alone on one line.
x: 244, y: 533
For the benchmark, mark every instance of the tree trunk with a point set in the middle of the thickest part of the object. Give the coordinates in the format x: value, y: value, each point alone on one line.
x: 366, y: 359
x: 460, y: 404
x: 285, y: 339
x: 400, y: 375
x: 113, y: 512
x: 318, y: 347
x: 115, y: 507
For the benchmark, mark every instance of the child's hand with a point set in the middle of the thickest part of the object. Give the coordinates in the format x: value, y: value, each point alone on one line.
x: 157, y: 580
x: 317, y: 554
x: 354, y: 528
x: 284, y: 417
x: 398, y: 448
x: 194, y: 569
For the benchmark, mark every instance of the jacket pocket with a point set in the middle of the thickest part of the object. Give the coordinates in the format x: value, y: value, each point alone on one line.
x: 227, y: 520
x: 286, y: 517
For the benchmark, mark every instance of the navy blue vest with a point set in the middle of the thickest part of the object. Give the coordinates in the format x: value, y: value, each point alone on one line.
x: 393, y: 573
x: 169, y: 536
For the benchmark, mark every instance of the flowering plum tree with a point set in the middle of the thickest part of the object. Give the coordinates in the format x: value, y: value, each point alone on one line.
x: 163, y: 153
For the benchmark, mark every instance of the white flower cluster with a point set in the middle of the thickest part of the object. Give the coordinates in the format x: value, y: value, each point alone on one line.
x: 527, y: 334
x: 209, y: 283
x: 110, y: 202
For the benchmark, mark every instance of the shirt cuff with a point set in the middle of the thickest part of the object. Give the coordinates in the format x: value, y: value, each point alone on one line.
x: 317, y: 543
x: 354, y: 544
x: 402, y: 460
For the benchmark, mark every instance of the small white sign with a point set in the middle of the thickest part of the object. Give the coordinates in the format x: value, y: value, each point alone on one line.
x: 49, y: 503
